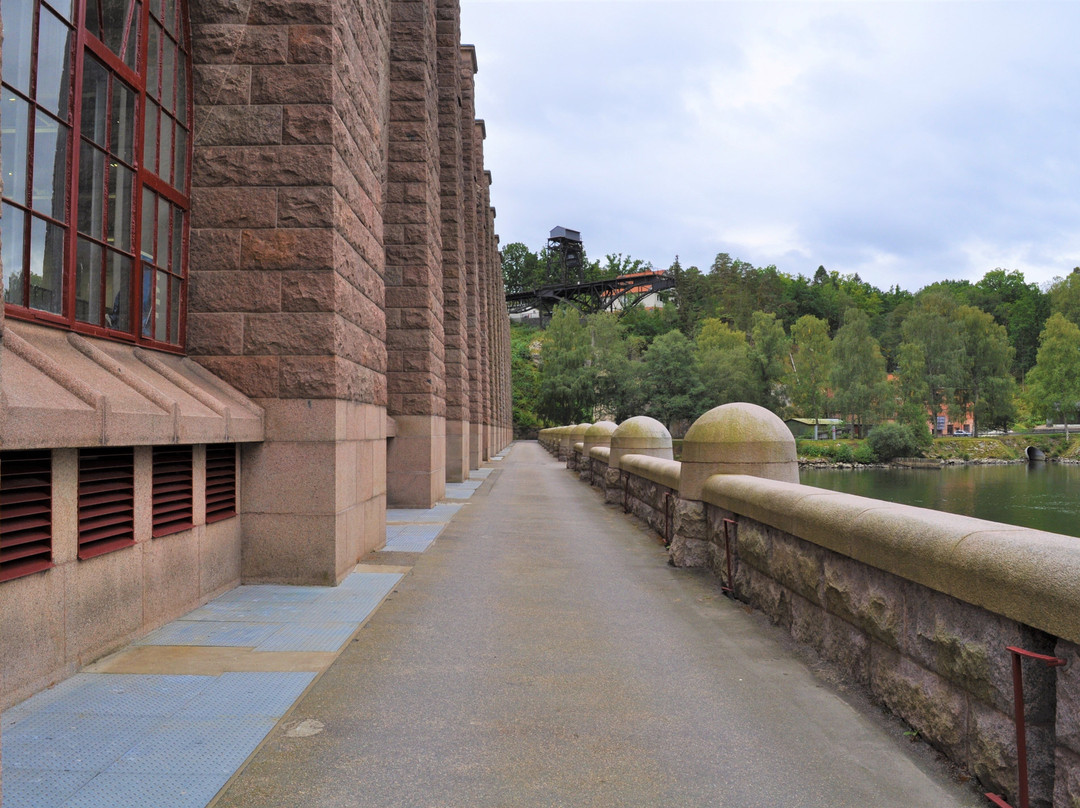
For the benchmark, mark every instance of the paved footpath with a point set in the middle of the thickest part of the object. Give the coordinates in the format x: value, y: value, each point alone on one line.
x: 542, y: 653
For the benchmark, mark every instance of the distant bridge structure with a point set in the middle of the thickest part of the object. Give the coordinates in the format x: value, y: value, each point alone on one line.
x: 623, y: 292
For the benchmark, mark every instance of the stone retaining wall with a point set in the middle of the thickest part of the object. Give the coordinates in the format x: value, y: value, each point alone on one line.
x: 916, y: 607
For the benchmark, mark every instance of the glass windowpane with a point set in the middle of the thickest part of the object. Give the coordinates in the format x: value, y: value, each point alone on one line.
x: 161, y: 254
x: 54, y: 64
x: 150, y: 144
x: 121, y: 183
x: 88, y: 258
x: 147, y: 300
x: 114, y: 18
x: 118, y: 292
x: 63, y: 7
x: 11, y: 237
x: 123, y: 122
x: 181, y: 160
x: 181, y: 93
x: 131, y: 43
x: 161, y: 307
x: 149, y: 220
x: 168, y: 73
x: 50, y: 168
x: 170, y: 15
x: 92, y: 18
x: 91, y: 191
x: 18, y: 36
x: 46, y: 266
x: 95, y: 99
x: 176, y: 264
x: 153, y: 59
x: 14, y: 151
x: 165, y: 164
x: 174, y: 311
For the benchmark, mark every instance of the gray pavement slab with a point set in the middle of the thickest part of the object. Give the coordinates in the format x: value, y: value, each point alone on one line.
x: 542, y: 653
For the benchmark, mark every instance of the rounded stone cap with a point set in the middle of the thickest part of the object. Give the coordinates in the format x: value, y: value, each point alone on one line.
x: 639, y: 435
x: 599, y: 434
x: 577, y: 433
x: 737, y: 438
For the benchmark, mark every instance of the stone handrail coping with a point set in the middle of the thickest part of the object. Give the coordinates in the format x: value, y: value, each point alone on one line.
x: 600, y: 453
x: 1030, y: 576
x: 579, y: 447
x: 656, y: 469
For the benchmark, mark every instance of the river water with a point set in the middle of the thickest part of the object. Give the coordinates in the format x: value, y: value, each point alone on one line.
x: 1045, y: 496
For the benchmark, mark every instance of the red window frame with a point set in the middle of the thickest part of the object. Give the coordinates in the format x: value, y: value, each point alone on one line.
x: 175, y: 191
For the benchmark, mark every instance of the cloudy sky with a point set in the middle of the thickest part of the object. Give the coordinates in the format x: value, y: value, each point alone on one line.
x: 904, y: 141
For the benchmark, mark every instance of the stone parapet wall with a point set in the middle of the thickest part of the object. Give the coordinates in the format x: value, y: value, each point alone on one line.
x: 915, y: 607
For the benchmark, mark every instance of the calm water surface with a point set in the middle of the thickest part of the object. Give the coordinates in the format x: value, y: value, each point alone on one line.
x: 1039, y: 495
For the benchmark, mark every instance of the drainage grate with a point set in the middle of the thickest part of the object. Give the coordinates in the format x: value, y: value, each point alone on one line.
x: 413, y: 538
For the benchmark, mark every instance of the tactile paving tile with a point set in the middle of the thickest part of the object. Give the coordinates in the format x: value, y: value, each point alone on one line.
x: 309, y: 637
x: 112, y: 789
x: 72, y: 741
x: 127, y: 694
x: 263, y: 611
x: 193, y: 632
x: 440, y: 513
x: 413, y: 538
x: 35, y: 788
x: 209, y: 747
x: 280, y: 593
x: 250, y: 694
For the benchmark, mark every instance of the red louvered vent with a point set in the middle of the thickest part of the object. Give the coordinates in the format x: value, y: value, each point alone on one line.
x: 106, y: 500
x: 25, y: 513
x: 220, y: 481
x: 173, y: 498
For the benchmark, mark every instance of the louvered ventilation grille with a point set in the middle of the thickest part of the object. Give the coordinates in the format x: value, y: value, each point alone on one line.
x: 25, y: 513
x: 220, y: 482
x: 106, y: 500
x: 172, y: 490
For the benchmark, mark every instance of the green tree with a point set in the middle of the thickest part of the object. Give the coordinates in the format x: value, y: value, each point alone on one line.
x: 860, y: 385
x: 1064, y: 296
x: 525, y: 378
x: 988, y: 385
x: 809, y: 367
x: 609, y: 366
x: 1053, y: 385
x: 911, y: 389
x: 768, y: 347
x: 932, y: 325
x: 723, y: 360
x: 565, y: 394
x: 522, y: 268
x: 1019, y: 306
x: 672, y: 389
x: 690, y: 297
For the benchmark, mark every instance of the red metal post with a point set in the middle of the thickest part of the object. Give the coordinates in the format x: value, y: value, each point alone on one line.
x: 1021, y: 728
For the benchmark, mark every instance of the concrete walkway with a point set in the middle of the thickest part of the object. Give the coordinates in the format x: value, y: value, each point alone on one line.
x: 542, y: 653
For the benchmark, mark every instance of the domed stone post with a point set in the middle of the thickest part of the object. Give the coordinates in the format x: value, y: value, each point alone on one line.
x: 735, y: 438
x: 599, y: 434
x: 577, y: 435
x: 638, y: 435
x: 565, y: 446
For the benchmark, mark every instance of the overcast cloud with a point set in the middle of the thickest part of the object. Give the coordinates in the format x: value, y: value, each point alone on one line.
x: 907, y: 142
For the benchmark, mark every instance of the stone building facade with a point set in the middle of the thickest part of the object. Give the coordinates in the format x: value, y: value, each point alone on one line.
x: 275, y: 311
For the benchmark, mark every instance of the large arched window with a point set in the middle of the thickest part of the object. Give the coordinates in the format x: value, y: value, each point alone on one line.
x: 95, y: 116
